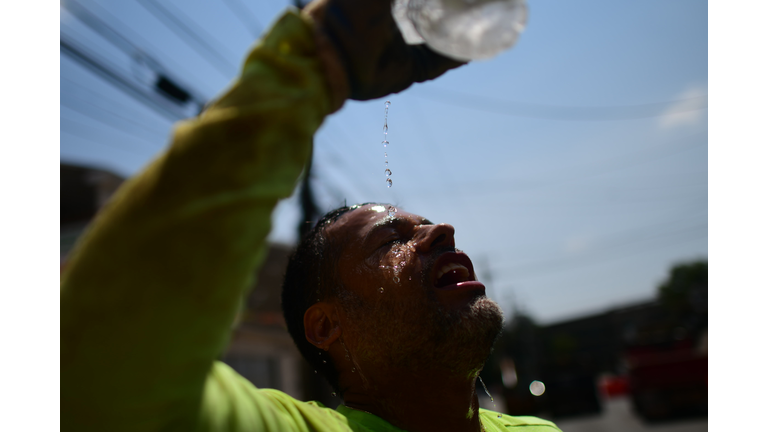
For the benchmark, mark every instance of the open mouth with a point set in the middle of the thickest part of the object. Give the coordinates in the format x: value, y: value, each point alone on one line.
x: 451, y: 270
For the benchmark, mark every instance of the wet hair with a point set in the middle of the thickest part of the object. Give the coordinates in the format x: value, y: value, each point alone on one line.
x: 312, y: 276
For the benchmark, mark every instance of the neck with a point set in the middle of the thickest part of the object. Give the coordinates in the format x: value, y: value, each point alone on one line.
x: 417, y: 402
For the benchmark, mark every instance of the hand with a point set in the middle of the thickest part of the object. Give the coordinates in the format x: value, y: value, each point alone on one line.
x: 369, y: 44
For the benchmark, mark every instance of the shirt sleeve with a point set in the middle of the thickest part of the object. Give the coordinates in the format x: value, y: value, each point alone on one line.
x: 151, y: 290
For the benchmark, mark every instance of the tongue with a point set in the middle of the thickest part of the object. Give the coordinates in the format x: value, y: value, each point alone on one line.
x: 450, y: 278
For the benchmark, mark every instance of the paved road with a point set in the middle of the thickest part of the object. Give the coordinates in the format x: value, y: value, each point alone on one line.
x: 617, y: 416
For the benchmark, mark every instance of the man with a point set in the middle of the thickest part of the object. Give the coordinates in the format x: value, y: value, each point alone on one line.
x: 387, y: 304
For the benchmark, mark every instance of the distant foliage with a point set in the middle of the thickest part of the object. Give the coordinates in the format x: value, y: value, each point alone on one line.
x: 685, y: 290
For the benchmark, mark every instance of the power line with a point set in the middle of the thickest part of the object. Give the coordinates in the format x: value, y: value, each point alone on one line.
x: 123, y: 43
x: 135, y: 37
x: 97, y: 131
x: 336, y: 157
x: 624, y: 161
x: 112, y: 102
x: 245, y: 16
x: 555, y: 112
x: 183, y: 31
x: 111, y: 112
x: 685, y: 234
x: 101, y: 143
x: 630, y: 233
x: 98, y: 115
x: 105, y: 30
x: 623, y: 195
x: 625, y: 202
x: 612, y: 242
x: 110, y: 74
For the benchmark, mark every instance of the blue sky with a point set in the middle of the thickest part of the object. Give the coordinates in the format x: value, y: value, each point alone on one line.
x: 574, y: 166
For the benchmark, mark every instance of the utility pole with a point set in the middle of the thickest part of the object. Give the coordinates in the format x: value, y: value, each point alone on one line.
x: 309, y: 209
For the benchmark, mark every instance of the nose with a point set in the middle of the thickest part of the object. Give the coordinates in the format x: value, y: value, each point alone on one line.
x: 430, y: 237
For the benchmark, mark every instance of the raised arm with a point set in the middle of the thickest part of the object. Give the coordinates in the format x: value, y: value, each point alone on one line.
x: 153, y: 287
x: 151, y: 290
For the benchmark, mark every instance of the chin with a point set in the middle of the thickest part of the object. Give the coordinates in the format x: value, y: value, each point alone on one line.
x: 471, y: 336
x: 457, y: 341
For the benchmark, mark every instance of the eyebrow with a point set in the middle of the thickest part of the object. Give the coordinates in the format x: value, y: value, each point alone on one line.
x: 393, y: 222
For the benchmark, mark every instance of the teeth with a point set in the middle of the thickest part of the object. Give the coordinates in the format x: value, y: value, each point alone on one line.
x: 449, y: 267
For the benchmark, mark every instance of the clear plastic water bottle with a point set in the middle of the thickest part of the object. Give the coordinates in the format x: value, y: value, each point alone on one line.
x: 462, y: 29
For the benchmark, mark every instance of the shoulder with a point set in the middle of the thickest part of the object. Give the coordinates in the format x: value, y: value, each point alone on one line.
x: 506, y: 422
x: 232, y: 403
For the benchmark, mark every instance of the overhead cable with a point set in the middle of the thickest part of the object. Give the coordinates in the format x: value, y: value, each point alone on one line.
x: 555, y: 112
x: 135, y: 52
x: 91, y: 62
x: 173, y: 20
x: 245, y: 16
x: 114, y: 114
x: 497, y: 185
x: 93, y: 130
x: 102, y: 143
x: 108, y: 118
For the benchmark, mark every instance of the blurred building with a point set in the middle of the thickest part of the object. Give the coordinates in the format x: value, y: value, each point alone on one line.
x: 82, y: 192
x: 262, y: 350
x: 647, y: 352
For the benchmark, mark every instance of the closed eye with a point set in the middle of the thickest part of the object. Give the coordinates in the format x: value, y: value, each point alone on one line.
x: 391, y: 241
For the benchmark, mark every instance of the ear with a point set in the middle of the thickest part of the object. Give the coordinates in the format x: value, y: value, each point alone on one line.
x: 321, y: 325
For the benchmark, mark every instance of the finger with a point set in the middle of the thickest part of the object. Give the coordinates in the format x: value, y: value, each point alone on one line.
x: 429, y: 64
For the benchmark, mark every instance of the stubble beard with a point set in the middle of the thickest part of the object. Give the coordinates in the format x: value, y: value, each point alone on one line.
x: 419, y: 335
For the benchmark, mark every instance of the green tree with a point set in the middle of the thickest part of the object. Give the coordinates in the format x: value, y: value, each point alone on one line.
x: 684, y: 293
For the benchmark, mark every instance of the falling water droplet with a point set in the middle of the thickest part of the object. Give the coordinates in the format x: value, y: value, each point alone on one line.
x: 487, y: 392
x: 386, y: 143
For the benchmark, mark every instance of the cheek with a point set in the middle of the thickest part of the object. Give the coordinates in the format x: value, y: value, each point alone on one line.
x: 400, y: 262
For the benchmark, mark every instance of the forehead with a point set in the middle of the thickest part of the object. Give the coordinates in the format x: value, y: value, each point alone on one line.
x: 356, y: 224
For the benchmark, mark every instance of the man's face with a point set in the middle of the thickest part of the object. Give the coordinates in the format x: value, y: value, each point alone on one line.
x: 409, y: 297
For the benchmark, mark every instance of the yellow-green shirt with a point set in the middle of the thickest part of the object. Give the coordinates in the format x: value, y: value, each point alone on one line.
x: 152, y: 288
